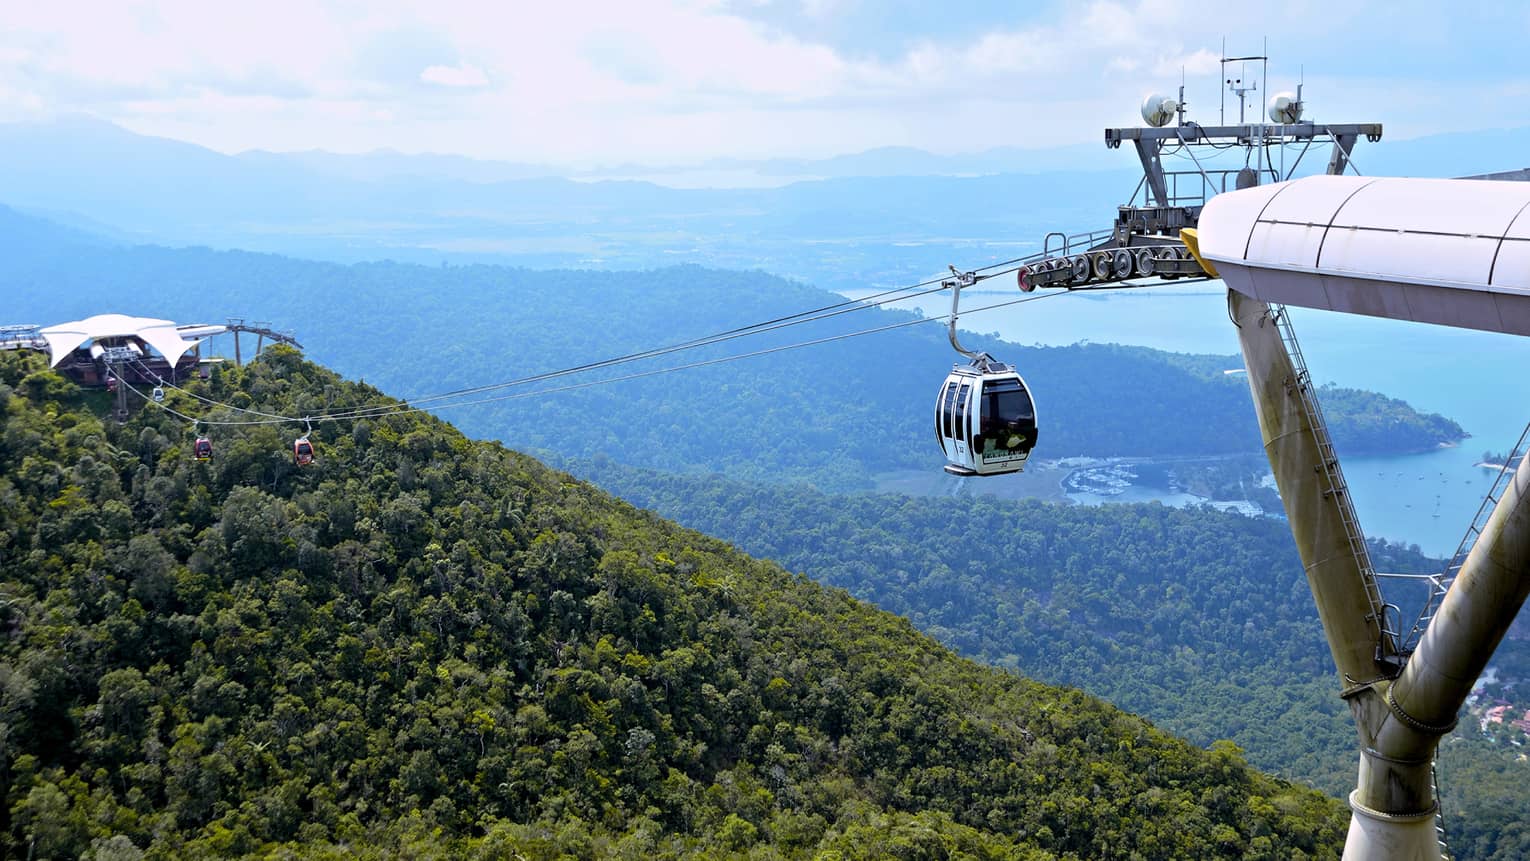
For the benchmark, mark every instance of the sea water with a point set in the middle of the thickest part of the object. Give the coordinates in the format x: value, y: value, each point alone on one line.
x: 1476, y: 378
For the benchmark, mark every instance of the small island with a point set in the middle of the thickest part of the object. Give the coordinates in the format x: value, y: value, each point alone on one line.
x: 1495, y: 460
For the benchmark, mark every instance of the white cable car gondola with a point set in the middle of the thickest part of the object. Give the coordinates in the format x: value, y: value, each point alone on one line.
x: 985, y: 418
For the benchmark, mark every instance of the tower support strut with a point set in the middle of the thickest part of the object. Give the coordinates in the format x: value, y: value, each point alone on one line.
x: 1402, y: 705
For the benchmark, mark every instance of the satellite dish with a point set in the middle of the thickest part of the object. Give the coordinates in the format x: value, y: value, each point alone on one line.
x: 1158, y: 110
x: 1285, y: 108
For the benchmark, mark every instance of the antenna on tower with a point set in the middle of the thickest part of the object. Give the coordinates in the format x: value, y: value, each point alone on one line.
x: 1222, y: 101
x: 1238, y: 85
x: 1181, y: 110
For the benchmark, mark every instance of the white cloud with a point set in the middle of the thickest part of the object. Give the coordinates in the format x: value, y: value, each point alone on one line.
x: 455, y: 76
x: 1198, y: 63
x: 588, y: 81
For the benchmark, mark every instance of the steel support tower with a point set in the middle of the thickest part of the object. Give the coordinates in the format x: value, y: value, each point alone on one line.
x: 1459, y: 255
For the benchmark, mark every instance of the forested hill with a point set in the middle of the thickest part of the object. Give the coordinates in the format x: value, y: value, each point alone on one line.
x: 424, y: 646
x: 834, y: 414
x: 1199, y: 619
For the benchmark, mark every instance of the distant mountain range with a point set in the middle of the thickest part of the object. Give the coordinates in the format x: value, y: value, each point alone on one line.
x: 844, y: 231
x: 879, y: 162
x: 879, y: 217
x: 73, y: 137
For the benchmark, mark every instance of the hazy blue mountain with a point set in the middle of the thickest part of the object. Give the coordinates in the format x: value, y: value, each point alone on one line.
x: 21, y: 230
x: 182, y: 191
x: 385, y: 164
x: 133, y: 181
x: 883, y: 162
x: 837, y: 232
x: 893, y: 161
x: 97, y: 231
x: 882, y: 217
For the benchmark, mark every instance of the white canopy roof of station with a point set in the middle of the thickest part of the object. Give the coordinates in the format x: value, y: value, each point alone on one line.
x: 1455, y: 252
x: 164, y: 336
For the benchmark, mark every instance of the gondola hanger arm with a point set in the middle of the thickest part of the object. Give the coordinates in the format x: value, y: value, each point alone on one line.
x: 956, y: 283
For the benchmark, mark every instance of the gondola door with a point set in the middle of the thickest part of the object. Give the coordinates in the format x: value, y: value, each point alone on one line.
x: 961, y: 426
x: 942, y: 417
x: 1005, y: 422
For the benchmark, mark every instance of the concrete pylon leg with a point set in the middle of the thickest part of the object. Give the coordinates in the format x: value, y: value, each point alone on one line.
x: 1344, y: 597
x: 1400, y: 716
x: 1422, y: 704
x: 1377, y: 836
x: 1317, y: 523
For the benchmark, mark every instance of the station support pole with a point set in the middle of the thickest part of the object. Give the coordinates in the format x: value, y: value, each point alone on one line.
x: 122, y: 407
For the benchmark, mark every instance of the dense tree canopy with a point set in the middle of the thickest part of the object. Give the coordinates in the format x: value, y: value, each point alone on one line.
x: 1198, y: 619
x: 428, y: 646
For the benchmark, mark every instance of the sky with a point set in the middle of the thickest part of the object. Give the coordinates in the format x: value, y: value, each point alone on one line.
x: 605, y: 83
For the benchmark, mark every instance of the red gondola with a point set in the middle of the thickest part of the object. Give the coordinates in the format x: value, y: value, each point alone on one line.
x: 302, y: 451
x: 202, y: 449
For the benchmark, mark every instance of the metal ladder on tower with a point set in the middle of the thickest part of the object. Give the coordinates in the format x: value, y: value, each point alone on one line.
x: 1439, y: 584
x: 1337, y: 489
x: 1439, y: 808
